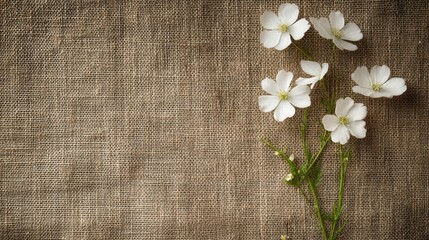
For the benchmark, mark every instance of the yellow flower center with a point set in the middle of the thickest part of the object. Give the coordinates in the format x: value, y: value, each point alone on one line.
x: 283, y: 28
x: 344, y: 120
x: 283, y: 96
x: 376, y: 87
x: 337, y: 33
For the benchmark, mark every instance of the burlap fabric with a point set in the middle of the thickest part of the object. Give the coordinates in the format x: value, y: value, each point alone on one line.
x: 139, y: 120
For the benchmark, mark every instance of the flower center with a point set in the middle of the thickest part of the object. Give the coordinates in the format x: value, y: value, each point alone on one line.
x: 337, y: 33
x: 376, y: 87
x: 283, y: 96
x: 344, y: 120
x: 283, y: 28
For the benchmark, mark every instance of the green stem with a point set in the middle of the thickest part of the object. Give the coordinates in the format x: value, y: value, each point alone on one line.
x: 333, y: 81
x: 339, y: 208
x: 317, y: 207
x: 280, y: 153
x: 325, y: 89
x: 304, y: 126
x: 306, y: 54
x: 304, y: 195
x: 321, y: 149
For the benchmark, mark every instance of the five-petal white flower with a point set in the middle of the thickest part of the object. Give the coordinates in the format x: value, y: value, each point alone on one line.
x: 279, y: 28
x: 334, y: 29
x: 376, y: 83
x: 314, y: 69
x: 348, y: 119
x: 283, y: 99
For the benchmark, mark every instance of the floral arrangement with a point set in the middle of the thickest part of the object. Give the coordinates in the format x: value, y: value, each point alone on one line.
x: 343, y: 117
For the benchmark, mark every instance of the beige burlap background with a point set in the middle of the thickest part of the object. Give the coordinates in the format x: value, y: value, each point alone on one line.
x: 139, y: 120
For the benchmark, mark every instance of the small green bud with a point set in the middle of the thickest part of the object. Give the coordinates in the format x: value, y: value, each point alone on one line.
x: 289, y: 177
x: 283, y: 237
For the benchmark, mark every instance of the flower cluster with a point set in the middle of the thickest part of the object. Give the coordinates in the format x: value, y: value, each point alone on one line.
x: 283, y: 98
x: 343, y: 118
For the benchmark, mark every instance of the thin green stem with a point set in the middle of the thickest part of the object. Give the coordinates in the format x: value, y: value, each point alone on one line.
x: 305, y: 53
x: 282, y: 154
x: 317, y: 207
x: 304, y: 195
x: 321, y: 149
x: 304, y: 126
x: 338, y: 210
x: 325, y: 90
x: 333, y: 80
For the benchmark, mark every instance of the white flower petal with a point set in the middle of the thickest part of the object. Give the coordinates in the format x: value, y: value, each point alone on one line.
x: 299, y: 96
x: 269, y: 20
x: 330, y: 122
x: 323, y: 27
x: 375, y: 94
x: 270, y: 86
x: 298, y: 29
x: 299, y: 91
x: 301, y: 101
x: 361, y: 77
x: 363, y: 90
x: 343, y: 106
x: 341, y: 44
x: 394, y: 87
x: 284, y: 80
x: 310, y: 67
x: 340, y: 135
x: 337, y: 20
x: 380, y: 74
x: 325, y: 67
x: 284, y: 42
x: 288, y: 13
x: 270, y: 39
x: 268, y: 103
x: 351, y: 32
x: 284, y: 110
x: 306, y: 81
x: 357, y: 129
x: 357, y: 112
x: 337, y: 43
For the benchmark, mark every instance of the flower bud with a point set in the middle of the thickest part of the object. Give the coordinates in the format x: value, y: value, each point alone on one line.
x: 289, y: 177
x: 292, y: 157
x: 276, y: 153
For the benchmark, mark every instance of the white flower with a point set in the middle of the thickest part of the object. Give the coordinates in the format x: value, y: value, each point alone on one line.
x: 376, y: 83
x: 282, y: 99
x: 289, y: 177
x: 314, y: 69
x: 334, y: 29
x: 279, y: 28
x: 348, y: 119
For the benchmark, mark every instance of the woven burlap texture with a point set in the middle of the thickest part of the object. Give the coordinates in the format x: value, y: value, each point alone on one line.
x: 139, y: 120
